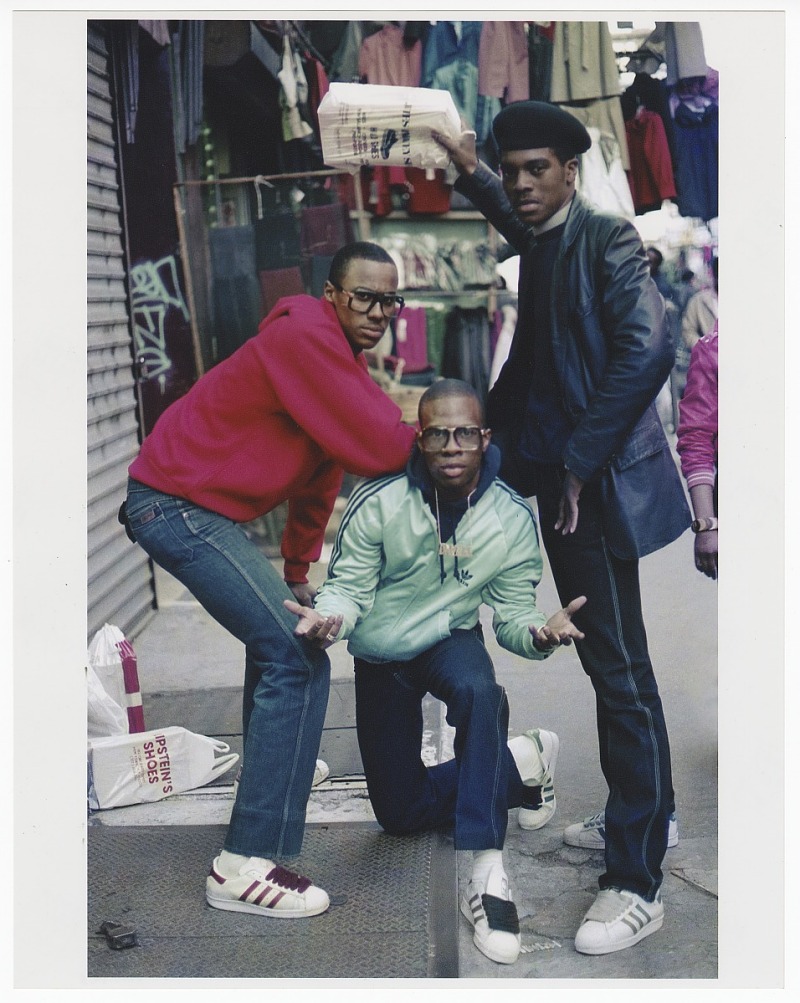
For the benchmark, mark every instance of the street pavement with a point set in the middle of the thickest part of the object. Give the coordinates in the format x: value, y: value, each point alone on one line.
x: 182, y: 650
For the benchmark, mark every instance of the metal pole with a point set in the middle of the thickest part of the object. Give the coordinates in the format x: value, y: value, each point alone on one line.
x: 180, y: 213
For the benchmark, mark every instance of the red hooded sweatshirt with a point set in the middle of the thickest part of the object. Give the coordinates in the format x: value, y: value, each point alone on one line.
x: 280, y: 419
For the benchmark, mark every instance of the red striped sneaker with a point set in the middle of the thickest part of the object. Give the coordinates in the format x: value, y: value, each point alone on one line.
x: 266, y: 889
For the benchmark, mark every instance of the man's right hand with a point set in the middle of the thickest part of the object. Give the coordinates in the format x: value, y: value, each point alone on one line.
x: 315, y: 628
x: 462, y: 151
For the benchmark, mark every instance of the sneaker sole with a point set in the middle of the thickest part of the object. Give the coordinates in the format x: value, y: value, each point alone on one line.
x: 634, y: 938
x: 233, y: 905
x: 466, y: 912
x: 536, y: 818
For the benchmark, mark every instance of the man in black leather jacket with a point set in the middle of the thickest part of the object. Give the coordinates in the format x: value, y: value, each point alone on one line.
x: 573, y: 412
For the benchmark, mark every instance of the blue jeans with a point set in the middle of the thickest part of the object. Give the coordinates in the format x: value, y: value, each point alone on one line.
x: 632, y: 732
x: 472, y: 792
x: 286, y: 680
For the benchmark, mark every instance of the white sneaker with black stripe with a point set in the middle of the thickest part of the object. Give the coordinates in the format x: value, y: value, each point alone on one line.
x: 535, y: 753
x: 490, y: 909
x: 618, y: 919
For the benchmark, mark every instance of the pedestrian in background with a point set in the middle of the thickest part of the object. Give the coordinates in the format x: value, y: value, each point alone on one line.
x: 697, y: 446
x: 279, y: 420
x: 574, y: 415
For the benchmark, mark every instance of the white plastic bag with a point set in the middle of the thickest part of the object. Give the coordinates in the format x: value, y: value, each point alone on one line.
x: 373, y: 125
x: 113, y: 660
x: 152, y: 765
x: 104, y: 716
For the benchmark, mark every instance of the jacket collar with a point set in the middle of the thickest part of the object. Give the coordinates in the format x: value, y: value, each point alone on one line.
x: 578, y: 212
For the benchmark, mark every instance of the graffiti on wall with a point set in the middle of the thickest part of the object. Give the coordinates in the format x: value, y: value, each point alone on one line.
x: 155, y: 291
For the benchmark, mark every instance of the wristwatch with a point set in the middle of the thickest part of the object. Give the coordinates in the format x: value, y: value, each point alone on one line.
x: 705, y: 525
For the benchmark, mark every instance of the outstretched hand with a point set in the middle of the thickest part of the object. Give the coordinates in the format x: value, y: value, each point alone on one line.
x: 559, y: 629
x: 313, y: 626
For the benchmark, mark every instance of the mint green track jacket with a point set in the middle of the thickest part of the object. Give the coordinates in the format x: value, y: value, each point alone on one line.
x: 398, y: 597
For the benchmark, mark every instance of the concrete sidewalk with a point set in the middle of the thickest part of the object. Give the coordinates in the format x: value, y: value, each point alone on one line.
x: 184, y: 653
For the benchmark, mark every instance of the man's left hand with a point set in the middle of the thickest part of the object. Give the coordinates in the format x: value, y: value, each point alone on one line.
x: 559, y: 629
x: 567, y: 520
x: 303, y: 592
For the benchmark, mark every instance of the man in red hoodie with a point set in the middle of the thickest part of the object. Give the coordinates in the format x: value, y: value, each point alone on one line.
x: 279, y: 420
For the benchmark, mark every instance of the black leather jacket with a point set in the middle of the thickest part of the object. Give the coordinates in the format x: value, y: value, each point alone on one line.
x: 612, y: 347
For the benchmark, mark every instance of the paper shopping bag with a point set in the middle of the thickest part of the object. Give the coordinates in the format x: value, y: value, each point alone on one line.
x: 152, y: 765
x: 373, y: 125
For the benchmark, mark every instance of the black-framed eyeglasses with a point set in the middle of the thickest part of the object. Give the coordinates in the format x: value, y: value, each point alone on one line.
x: 363, y: 300
x: 434, y: 438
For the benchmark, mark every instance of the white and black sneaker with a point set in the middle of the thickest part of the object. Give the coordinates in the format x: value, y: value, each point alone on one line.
x: 590, y: 834
x: 491, y: 911
x: 618, y: 919
x: 536, y: 752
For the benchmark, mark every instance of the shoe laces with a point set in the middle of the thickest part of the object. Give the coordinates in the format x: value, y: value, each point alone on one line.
x: 288, y: 879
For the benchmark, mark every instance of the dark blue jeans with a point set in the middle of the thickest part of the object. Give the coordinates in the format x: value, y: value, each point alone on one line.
x: 632, y: 733
x: 472, y: 792
x: 286, y: 680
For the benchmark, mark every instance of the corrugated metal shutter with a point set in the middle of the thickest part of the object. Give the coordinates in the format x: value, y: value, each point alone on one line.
x: 120, y: 580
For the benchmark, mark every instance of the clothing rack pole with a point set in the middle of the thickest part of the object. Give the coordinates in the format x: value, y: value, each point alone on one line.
x: 180, y: 213
x: 363, y: 221
x: 262, y: 177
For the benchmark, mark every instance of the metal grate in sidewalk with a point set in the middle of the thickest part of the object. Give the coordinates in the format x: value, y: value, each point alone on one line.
x: 394, y: 911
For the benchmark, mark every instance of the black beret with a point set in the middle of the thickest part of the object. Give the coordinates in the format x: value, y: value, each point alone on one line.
x: 532, y: 125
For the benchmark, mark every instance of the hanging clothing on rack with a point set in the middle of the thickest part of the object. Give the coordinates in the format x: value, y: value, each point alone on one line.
x: 186, y: 68
x: 450, y: 63
x: 410, y: 339
x: 584, y: 63
x: 650, y: 93
x: 585, y: 79
x: 602, y: 178
x: 276, y: 230
x: 697, y: 172
x: 236, y: 294
x: 605, y: 115
x: 324, y: 229
x: 279, y: 283
x: 293, y: 94
x: 650, y: 177
x: 540, y: 58
x: 344, y: 62
x: 684, y: 51
x: 503, y: 61
x: 466, y: 347
x: 427, y: 196
x: 385, y: 58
